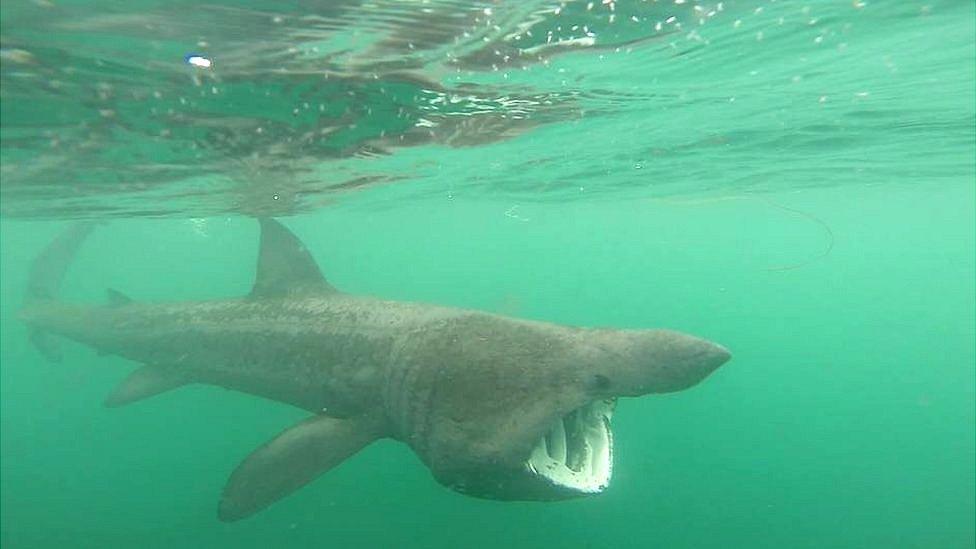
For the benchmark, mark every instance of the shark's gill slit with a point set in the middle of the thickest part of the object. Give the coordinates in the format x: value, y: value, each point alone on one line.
x: 577, y: 450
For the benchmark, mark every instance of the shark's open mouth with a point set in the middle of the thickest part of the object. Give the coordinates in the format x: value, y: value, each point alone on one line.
x: 576, y: 453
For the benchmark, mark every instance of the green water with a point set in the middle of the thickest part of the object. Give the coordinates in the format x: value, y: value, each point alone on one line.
x: 793, y: 180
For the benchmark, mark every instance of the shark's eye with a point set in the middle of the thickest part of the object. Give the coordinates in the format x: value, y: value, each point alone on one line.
x: 600, y: 382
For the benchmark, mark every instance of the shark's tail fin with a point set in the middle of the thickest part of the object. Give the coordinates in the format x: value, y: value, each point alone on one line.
x: 46, y: 275
x: 49, y: 266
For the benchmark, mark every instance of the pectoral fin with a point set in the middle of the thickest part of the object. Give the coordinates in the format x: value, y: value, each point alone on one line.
x: 291, y: 460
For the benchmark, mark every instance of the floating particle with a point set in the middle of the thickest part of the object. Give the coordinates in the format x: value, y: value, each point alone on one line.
x: 198, y: 60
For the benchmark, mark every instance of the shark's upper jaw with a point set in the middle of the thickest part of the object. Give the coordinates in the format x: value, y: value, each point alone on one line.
x: 575, y: 456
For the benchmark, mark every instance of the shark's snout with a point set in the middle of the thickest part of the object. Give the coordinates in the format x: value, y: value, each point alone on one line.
x: 677, y: 361
x: 707, y: 356
x: 718, y: 355
x: 635, y: 363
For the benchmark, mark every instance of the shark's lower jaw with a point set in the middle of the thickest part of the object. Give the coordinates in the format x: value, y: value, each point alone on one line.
x: 576, y: 453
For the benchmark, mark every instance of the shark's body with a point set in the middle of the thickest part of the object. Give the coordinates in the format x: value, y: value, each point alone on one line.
x: 496, y: 407
x: 318, y: 353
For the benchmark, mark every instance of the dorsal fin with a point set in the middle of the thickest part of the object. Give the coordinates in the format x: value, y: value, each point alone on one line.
x: 284, y: 265
x: 117, y: 298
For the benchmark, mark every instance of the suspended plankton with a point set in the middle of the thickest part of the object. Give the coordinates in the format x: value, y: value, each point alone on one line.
x: 198, y: 60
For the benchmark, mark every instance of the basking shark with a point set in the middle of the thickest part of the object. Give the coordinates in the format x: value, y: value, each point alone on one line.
x: 495, y: 407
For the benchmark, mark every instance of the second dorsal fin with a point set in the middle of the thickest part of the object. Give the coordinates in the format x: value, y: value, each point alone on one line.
x: 284, y: 265
x: 117, y: 298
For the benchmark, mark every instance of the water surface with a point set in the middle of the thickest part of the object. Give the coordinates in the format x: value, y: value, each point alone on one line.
x: 792, y: 179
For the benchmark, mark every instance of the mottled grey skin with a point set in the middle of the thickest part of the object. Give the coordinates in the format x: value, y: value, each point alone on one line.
x: 470, y: 392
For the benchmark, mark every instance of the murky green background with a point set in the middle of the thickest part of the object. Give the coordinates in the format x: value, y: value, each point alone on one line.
x: 793, y: 180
